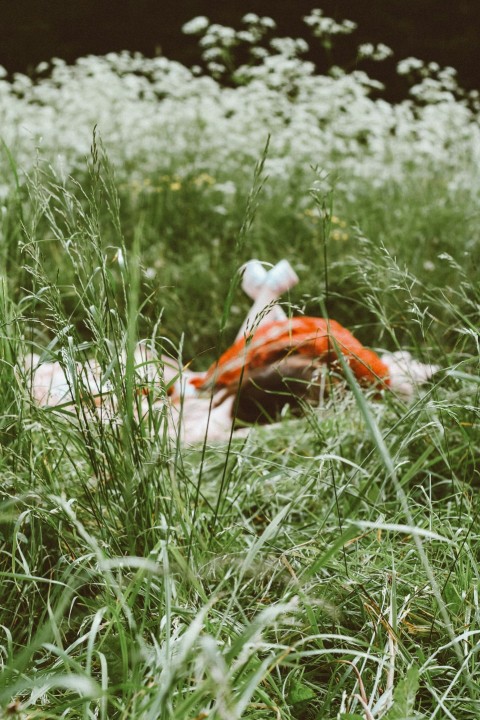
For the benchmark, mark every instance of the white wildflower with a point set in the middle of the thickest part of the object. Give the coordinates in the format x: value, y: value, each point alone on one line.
x: 408, y: 65
x: 150, y: 273
x: 227, y: 188
x: 289, y: 47
x: 196, y: 25
x: 268, y: 22
x: 374, y: 52
x: 258, y: 52
x: 348, y: 26
x: 208, y: 40
x: 382, y: 52
x: 223, y: 34
x: 251, y: 19
x: 246, y: 36
x: 150, y: 111
x: 366, y: 50
x: 212, y: 53
x: 216, y: 68
x: 41, y: 67
x: 312, y: 19
x: 220, y: 210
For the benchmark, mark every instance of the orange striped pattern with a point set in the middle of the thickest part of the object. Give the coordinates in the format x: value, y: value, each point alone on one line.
x: 310, y: 336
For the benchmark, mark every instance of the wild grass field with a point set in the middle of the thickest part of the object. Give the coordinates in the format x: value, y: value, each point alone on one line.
x: 324, y: 567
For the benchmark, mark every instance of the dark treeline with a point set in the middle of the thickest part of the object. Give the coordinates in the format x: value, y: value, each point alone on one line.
x: 441, y: 30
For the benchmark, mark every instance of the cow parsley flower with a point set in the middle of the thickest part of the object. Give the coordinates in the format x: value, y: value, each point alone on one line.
x: 268, y: 22
x: 196, y: 26
x: 408, y: 65
x: 250, y: 19
x: 366, y: 50
x: 154, y: 114
x: 374, y: 52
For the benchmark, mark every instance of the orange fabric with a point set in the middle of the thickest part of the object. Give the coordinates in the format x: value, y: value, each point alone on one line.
x: 315, y: 337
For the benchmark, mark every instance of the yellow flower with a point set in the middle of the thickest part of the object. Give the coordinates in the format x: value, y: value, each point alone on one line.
x: 339, y: 235
x: 174, y: 186
x: 204, y: 179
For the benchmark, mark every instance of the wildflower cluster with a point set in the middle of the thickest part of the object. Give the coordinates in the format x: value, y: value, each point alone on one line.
x: 156, y: 114
x: 326, y: 28
x: 374, y: 52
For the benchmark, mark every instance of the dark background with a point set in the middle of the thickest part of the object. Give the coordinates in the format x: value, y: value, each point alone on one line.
x: 446, y: 31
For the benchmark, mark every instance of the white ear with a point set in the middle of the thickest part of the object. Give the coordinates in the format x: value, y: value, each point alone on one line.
x: 407, y: 374
x: 253, y: 277
x: 266, y: 288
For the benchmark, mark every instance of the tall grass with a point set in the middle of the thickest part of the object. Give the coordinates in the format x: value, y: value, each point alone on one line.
x: 327, y: 567
x: 324, y: 567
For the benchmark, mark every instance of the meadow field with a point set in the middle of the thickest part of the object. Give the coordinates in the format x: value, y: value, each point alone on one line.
x: 324, y: 567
